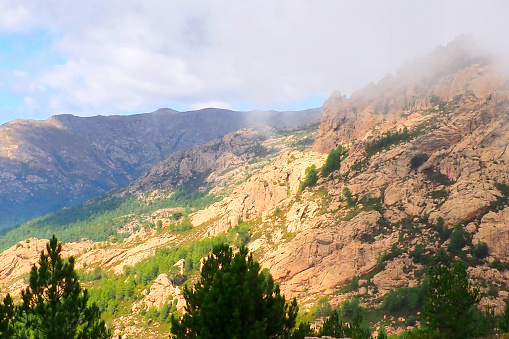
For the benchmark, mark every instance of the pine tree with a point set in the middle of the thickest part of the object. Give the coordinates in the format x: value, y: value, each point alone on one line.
x: 54, y: 305
x: 233, y: 299
x: 450, y: 298
x: 7, y: 312
x: 504, y: 322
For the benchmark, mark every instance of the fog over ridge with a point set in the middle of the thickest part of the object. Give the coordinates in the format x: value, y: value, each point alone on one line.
x: 118, y: 57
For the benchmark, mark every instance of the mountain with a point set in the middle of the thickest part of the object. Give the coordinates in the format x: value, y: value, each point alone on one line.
x: 66, y: 160
x: 423, y: 166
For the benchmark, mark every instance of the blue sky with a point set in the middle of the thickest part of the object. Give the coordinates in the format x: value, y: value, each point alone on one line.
x: 121, y: 57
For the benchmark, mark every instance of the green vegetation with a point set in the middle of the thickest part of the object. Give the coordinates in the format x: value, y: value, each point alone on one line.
x: 100, y: 219
x: 458, y: 240
x: 347, y: 321
x: 480, y: 251
x: 348, y: 195
x: 449, y: 299
x: 417, y: 160
x: 439, y: 194
x: 111, y: 290
x: 53, y: 305
x: 502, y: 200
x: 333, y: 162
x: 233, y: 299
x: 438, y: 177
x: 387, y: 140
x: 410, y: 299
x: 311, y: 178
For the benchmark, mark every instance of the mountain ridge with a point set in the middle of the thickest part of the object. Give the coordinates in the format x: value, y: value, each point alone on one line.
x: 64, y: 160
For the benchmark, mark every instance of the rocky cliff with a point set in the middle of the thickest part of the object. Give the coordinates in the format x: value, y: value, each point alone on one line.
x: 65, y: 160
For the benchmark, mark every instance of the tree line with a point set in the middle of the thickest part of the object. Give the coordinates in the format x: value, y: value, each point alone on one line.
x: 235, y: 298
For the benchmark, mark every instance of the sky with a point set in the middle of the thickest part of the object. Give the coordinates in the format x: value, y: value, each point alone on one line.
x: 124, y: 57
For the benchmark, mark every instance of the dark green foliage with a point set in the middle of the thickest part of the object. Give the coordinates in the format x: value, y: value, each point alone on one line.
x: 382, y: 333
x: 480, y: 251
x: 408, y: 298
x: 311, y: 178
x: 337, y: 326
x: 485, y: 322
x: 350, y: 308
x: 183, y: 225
x: 501, y: 201
x: 233, y: 299
x: 334, y: 326
x: 442, y: 193
x: 323, y: 309
x: 7, y: 314
x: 450, y: 299
x: 419, y: 333
x: 417, y: 254
x: 438, y: 177
x: 458, y: 240
x: 352, y: 286
x: 53, y: 305
x: 504, y: 322
x: 443, y: 232
x: 394, y: 252
x: 333, y: 162
x: 496, y: 264
x: 240, y: 233
x: 387, y: 140
x: 417, y: 160
x: 116, y: 288
x: 302, y: 331
x: 348, y: 195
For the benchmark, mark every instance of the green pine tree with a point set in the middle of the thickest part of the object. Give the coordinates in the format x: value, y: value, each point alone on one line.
x: 450, y: 298
x: 7, y: 313
x: 54, y: 305
x: 233, y: 299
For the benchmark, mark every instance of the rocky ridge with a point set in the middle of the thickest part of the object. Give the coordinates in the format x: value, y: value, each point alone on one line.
x: 66, y: 160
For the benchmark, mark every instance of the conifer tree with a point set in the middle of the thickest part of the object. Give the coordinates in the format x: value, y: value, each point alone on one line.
x: 54, y: 305
x: 233, y: 299
x: 450, y: 300
x: 7, y: 312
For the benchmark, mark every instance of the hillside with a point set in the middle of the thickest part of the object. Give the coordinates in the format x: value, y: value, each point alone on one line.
x: 421, y: 165
x: 66, y: 160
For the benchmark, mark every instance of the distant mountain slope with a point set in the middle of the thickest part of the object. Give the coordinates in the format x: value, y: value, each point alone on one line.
x: 65, y: 160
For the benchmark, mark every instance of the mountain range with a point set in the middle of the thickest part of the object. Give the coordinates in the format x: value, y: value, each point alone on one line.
x: 65, y: 160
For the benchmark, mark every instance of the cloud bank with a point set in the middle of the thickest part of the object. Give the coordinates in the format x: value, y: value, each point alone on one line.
x: 115, y: 57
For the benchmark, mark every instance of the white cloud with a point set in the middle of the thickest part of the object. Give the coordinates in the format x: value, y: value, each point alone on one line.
x: 209, y: 104
x: 130, y: 56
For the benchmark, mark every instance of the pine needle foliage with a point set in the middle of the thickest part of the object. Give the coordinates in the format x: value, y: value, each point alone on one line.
x: 233, y: 299
x: 53, y: 305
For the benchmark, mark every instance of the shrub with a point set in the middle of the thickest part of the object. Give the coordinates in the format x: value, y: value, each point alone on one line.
x: 480, y: 251
x: 438, y: 177
x: 387, y: 140
x: 417, y: 254
x: 458, y: 240
x: 311, y: 178
x: 417, y: 160
x: 333, y: 162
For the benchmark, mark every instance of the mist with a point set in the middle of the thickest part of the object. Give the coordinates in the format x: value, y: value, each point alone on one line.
x: 122, y: 57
